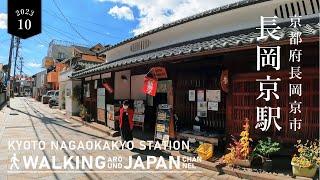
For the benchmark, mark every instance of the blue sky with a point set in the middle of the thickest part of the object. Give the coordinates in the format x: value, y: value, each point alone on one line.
x: 99, y: 21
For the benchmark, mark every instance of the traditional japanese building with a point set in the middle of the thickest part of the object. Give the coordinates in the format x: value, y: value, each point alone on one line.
x: 211, y: 59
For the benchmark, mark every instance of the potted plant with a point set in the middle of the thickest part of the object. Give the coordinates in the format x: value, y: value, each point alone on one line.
x: 240, y: 152
x: 263, y: 149
x: 84, y: 113
x: 307, y: 161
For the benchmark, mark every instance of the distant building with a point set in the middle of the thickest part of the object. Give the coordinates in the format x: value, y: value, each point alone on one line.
x: 82, y: 57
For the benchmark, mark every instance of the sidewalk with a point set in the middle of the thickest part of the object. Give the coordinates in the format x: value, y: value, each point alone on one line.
x: 93, y: 125
x: 244, y: 173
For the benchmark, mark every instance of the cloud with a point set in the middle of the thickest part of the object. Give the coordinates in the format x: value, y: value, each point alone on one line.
x: 124, y: 12
x: 3, y: 21
x: 27, y: 50
x: 153, y: 14
x: 31, y: 64
x: 41, y: 45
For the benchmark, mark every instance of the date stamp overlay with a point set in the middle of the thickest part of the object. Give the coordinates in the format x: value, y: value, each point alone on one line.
x: 24, y: 18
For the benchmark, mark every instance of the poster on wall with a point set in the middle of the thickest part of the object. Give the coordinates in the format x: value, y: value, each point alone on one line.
x: 202, y: 109
x: 192, y: 95
x: 202, y: 113
x: 213, y: 106
x: 101, y: 115
x: 139, y: 108
x: 213, y: 95
x: 200, y: 95
x: 202, y: 106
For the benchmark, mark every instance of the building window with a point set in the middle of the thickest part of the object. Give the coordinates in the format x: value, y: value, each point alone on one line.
x: 61, y: 55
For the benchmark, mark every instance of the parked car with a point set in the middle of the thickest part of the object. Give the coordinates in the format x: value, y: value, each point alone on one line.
x: 54, y: 100
x: 45, y: 98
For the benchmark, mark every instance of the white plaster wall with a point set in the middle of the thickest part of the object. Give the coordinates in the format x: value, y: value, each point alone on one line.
x: 121, y: 87
x: 72, y: 106
x: 61, y: 88
x: 136, y: 87
x: 229, y: 21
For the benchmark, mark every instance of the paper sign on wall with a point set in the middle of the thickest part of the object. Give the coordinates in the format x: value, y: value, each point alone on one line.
x: 200, y: 95
x: 213, y: 106
x: 192, y: 95
x: 202, y: 109
x: 213, y: 95
x: 202, y: 106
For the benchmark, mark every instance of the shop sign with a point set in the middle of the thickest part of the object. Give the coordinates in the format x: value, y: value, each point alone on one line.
x: 101, y: 114
x: 224, y: 80
x: 213, y: 106
x: 200, y: 95
x: 213, y: 95
x: 159, y: 72
x: 108, y: 87
x: 150, y: 86
x: 192, y: 95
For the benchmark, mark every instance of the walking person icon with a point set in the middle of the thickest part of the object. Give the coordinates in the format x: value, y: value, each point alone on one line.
x: 14, y: 161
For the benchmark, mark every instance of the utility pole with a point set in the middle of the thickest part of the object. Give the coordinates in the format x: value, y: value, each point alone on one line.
x: 15, y: 65
x: 21, y: 64
x: 8, y: 70
x: 21, y: 58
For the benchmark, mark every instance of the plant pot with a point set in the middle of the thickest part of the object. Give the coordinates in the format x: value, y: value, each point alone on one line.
x: 267, y: 165
x: 303, y: 171
x: 242, y: 162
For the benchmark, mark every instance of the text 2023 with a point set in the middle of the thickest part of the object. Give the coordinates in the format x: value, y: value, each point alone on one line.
x: 28, y: 12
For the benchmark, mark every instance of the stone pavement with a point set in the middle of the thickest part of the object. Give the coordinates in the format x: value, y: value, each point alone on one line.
x: 28, y: 120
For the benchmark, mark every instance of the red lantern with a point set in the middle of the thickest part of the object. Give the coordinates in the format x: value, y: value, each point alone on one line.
x: 224, y: 81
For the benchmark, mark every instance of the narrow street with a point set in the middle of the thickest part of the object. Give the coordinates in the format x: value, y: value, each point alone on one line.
x: 29, y: 120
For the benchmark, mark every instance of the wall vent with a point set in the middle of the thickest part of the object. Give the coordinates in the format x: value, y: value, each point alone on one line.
x: 299, y: 8
x: 137, y: 46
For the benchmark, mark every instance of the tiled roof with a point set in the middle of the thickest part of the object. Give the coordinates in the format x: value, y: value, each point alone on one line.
x: 188, y: 19
x: 200, y: 45
x: 86, y: 64
x: 85, y: 50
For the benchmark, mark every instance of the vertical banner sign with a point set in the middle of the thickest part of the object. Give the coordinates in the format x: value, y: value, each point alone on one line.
x: 150, y: 86
x: 24, y: 18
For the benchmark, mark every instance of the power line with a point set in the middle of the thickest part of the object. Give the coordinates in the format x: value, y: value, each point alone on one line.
x: 84, y: 20
x: 60, y: 32
x: 87, y: 28
x: 69, y: 22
